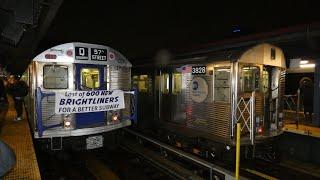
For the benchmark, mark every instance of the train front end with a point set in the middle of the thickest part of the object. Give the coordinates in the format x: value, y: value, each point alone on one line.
x: 79, y: 92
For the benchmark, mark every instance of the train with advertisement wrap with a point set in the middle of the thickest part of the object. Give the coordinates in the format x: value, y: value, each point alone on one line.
x: 196, y: 99
x: 77, y: 93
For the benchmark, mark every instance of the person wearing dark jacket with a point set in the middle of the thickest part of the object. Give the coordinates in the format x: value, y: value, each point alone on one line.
x: 3, y: 102
x: 18, y: 90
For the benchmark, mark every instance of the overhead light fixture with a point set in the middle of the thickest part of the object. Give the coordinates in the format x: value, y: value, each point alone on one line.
x: 307, y: 65
x: 227, y: 70
x: 304, y: 62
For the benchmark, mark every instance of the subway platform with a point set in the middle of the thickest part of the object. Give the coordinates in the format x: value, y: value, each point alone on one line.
x: 295, y: 123
x: 18, y: 136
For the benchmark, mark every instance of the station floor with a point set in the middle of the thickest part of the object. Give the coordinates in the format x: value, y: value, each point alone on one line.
x: 17, y: 135
x: 302, y: 127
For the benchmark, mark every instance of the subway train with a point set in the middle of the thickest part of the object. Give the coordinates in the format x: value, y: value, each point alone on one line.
x: 77, y: 93
x: 196, y: 99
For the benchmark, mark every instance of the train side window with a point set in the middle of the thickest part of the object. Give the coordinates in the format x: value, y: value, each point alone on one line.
x: 142, y: 82
x: 176, y: 83
x: 222, y: 84
x: 250, y: 78
x: 90, y: 78
x: 55, y: 77
x: 165, y: 83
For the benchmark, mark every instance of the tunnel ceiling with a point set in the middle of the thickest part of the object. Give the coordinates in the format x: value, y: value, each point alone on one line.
x: 137, y: 28
x: 23, y: 23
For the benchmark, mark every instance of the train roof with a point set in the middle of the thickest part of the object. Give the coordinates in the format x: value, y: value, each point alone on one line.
x: 84, y: 53
x: 263, y: 53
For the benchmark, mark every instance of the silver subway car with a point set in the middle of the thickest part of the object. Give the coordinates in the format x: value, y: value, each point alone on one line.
x: 206, y: 93
x: 78, y: 70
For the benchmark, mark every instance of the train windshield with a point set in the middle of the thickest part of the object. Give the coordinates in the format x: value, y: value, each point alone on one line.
x: 55, y: 77
x: 250, y: 78
x: 90, y: 78
x: 222, y: 84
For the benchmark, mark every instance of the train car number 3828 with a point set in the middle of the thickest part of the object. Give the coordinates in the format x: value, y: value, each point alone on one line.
x: 198, y: 69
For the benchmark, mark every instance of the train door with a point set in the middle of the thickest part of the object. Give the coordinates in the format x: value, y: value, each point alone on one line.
x: 275, y: 98
x: 143, y: 81
x: 271, y: 90
x: 89, y: 77
x: 170, y: 96
x: 251, y: 80
x: 164, y: 89
x: 178, y: 113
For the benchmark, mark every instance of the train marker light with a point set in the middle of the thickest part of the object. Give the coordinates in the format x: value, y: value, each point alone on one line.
x: 112, y: 56
x: 69, y: 53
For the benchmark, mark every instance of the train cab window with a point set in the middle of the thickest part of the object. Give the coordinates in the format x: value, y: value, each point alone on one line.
x: 250, y: 78
x: 141, y: 82
x: 90, y: 78
x: 176, y: 83
x: 222, y: 84
x: 55, y: 77
x: 165, y: 83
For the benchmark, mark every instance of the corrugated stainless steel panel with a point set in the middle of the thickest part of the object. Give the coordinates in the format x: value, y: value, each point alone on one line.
x: 208, y: 116
x: 259, y: 105
x: 120, y: 78
x: 48, y: 112
x: 282, y: 89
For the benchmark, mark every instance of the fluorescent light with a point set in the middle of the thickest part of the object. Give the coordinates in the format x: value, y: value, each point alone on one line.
x: 304, y: 61
x: 307, y: 65
x: 228, y: 70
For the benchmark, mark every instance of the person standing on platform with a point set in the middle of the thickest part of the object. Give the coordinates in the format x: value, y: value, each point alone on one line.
x: 3, y: 102
x: 18, y: 90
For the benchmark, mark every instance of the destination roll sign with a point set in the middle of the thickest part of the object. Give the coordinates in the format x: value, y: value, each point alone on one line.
x: 98, y: 54
x: 81, y: 53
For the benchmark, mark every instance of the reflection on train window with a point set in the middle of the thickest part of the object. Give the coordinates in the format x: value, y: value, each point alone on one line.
x: 265, y: 81
x: 55, y: 77
x: 176, y: 83
x: 222, y: 84
x: 141, y: 82
x: 90, y: 78
x: 165, y: 83
x: 250, y: 78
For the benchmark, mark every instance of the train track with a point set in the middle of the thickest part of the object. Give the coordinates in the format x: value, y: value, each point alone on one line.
x: 141, y: 157
x: 174, y: 162
x: 185, y: 165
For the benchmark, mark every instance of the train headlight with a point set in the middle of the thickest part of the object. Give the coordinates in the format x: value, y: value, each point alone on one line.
x: 115, y: 116
x: 67, y: 121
